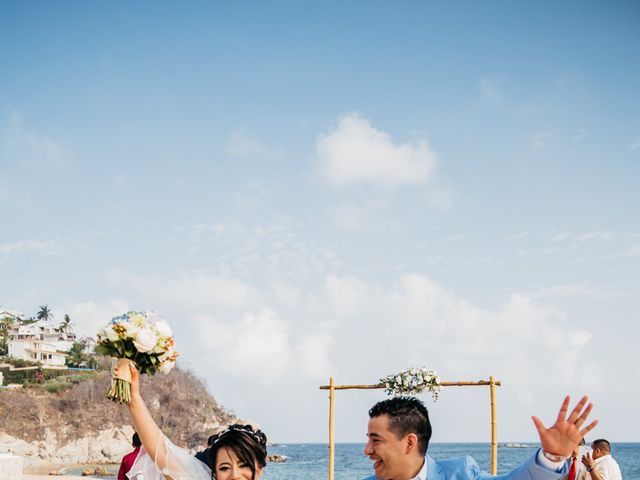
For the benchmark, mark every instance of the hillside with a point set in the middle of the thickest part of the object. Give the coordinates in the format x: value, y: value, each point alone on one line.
x: 179, y: 402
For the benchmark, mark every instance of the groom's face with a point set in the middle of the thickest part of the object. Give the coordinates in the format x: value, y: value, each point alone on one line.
x: 387, y: 451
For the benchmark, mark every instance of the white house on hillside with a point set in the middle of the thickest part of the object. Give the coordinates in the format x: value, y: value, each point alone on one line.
x: 37, y: 351
x: 14, y: 315
x: 40, y: 341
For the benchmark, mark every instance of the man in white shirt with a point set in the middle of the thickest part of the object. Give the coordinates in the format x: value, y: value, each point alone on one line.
x: 577, y: 470
x: 600, y: 464
x: 399, y: 432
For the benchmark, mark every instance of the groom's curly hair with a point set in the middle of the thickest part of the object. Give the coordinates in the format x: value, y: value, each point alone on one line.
x: 406, y: 415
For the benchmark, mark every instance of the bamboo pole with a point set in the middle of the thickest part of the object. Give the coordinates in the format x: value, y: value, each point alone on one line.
x: 494, y: 427
x: 331, y: 443
x: 380, y: 385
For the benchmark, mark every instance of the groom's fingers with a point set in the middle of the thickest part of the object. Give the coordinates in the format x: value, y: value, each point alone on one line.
x: 539, y: 425
x: 589, y: 427
x: 583, y: 418
x: 575, y: 413
x: 563, y: 409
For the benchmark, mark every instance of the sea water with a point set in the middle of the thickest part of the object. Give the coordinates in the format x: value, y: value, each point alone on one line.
x: 309, y: 461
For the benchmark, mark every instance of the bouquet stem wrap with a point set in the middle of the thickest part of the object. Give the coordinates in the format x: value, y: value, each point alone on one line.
x: 120, y: 390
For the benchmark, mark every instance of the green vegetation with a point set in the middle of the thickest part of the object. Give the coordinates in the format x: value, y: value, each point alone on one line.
x: 18, y: 362
x: 66, y: 325
x: 4, y: 335
x: 44, y: 313
x: 79, y: 358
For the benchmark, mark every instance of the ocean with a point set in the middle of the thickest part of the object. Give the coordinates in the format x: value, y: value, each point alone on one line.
x: 310, y: 460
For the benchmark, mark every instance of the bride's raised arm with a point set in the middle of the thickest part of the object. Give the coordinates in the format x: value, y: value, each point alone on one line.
x: 165, y: 459
x: 143, y: 423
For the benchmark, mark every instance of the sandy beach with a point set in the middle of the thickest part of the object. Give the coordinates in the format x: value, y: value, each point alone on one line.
x: 42, y: 468
x: 29, y: 476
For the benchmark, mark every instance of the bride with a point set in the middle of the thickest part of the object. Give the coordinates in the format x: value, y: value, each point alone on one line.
x: 237, y: 453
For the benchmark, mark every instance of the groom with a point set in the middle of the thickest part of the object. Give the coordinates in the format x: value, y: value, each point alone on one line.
x: 399, y: 432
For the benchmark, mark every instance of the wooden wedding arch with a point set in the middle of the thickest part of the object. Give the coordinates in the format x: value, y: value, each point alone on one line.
x: 492, y: 383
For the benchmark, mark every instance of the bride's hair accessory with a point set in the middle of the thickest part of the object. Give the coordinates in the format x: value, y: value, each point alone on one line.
x: 256, y: 435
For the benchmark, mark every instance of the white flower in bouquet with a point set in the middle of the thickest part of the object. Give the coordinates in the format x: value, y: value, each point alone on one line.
x: 145, y: 340
x: 165, y: 367
x: 109, y: 333
x: 162, y: 328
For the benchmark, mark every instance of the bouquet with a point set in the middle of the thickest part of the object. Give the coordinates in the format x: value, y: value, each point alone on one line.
x: 412, y: 382
x: 141, y: 338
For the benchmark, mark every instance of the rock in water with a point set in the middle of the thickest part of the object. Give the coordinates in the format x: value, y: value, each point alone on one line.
x: 275, y: 458
x: 102, y: 472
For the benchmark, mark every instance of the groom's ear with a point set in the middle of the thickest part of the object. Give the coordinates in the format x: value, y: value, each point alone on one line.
x: 411, y: 443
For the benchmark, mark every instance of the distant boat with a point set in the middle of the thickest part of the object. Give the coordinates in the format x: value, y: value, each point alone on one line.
x: 515, y: 445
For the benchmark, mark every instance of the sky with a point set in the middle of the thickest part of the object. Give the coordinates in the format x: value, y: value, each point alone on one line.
x: 307, y: 190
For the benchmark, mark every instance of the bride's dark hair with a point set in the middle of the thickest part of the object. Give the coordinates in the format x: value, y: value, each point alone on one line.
x: 247, y: 443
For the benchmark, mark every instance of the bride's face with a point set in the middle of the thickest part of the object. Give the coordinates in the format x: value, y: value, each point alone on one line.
x: 230, y: 467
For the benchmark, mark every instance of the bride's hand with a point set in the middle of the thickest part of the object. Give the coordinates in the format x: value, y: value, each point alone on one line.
x: 135, y: 380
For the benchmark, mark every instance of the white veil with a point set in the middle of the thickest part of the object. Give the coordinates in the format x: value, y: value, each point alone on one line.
x: 179, y: 464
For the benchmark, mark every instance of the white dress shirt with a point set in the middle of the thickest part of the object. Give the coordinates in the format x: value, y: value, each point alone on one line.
x: 608, y: 468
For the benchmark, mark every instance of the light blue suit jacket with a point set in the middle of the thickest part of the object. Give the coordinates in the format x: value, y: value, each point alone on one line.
x: 466, y: 468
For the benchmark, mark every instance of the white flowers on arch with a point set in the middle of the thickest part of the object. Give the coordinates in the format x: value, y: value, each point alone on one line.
x: 412, y: 381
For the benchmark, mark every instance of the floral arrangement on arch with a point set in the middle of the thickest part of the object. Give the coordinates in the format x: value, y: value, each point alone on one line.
x: 412, y: 382
x: 139, y: 337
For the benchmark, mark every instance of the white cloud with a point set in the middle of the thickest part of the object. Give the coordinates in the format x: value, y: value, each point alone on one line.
x: 257, y: 346
x: 31, y: 245
x: 581, y: 134
x: 89, y: 316
x: 242, y: 145
x: 420, y: 321
x: 356, y: 152
x: 538, y: 140
x: 345, y: 294
x: 636, y: 144
x: 630, y: 252
x: 560, y: 236
x: 441, y: 196
x: 595, y: 236
x: 564, y: 291
x: 514, y: 237
x: 38, y: 147
x: 492, y: 88
x: 187, y: 290
x: 358, y: 217
x: 312, y: 355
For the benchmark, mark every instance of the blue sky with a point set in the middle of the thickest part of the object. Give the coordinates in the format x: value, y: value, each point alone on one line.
x: 307, y: 190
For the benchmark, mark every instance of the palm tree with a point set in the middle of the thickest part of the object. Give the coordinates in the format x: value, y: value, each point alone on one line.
x: 66, y: 326
x: 5, y: 323
x: 44, y: 313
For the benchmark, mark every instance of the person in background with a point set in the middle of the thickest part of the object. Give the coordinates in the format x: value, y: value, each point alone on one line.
x: 205, y: 455
x: 599, y: 463
x: 129, y: 458
x: 577, y: 471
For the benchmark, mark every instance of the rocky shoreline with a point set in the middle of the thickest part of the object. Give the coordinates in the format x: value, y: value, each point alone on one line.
x: 106, y: 447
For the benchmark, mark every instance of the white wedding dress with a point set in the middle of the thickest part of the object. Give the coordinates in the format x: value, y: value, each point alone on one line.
x: 178, y: 464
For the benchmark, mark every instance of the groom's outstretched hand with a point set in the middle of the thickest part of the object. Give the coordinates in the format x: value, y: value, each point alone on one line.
x: 564, y: 435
